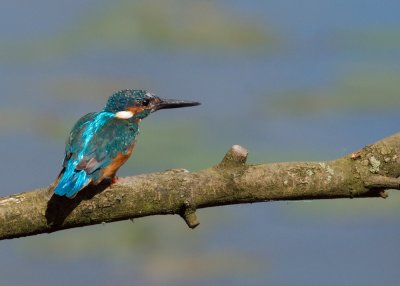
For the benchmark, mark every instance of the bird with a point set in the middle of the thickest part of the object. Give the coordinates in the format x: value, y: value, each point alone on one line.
x: 101, y: 142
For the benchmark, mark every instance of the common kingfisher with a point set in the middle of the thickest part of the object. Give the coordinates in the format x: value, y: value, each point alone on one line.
x: 101, y: 142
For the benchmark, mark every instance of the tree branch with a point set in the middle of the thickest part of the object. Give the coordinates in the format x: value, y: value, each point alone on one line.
x: 365, y: 173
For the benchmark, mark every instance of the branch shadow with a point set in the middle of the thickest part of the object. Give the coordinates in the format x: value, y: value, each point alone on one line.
x: 59, y: 208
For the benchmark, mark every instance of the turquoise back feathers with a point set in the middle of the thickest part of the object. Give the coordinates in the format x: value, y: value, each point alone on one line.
x: 93, y: 143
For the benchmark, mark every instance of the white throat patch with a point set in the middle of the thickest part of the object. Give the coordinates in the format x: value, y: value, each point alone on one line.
x: 124, y: 114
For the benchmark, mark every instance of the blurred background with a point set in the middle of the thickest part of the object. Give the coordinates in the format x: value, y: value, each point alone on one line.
x: 289, y: 80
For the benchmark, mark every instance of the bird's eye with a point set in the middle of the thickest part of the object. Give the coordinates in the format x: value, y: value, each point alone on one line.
x: 146, y: 102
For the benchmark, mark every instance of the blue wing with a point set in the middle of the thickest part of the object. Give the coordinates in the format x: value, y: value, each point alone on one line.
x: 93, y: 143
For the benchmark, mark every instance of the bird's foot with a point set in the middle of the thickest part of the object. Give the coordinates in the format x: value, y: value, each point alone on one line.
x: 114, y: 180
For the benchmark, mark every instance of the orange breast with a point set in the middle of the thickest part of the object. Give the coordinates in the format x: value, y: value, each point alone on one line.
x: 117, y: 162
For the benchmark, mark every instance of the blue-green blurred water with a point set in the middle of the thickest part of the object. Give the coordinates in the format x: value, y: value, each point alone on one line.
x: 319, y: 83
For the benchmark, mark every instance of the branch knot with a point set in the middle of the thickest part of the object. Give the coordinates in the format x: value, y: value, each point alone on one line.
x: 236, y: 156
x: 188, y: 213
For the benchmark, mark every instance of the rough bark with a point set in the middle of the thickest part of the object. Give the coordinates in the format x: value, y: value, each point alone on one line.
x: 365, y: 173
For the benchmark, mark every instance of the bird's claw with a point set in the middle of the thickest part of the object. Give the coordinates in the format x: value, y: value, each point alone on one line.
x: 114, y: 180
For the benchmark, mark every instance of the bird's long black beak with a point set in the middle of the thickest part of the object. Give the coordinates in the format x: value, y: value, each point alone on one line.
x: 172, y: 103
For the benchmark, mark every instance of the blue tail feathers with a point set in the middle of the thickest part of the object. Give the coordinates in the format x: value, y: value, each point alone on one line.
x: 71, y: 183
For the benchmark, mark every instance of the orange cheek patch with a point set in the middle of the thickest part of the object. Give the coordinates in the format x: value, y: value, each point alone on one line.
x: 135, y: 110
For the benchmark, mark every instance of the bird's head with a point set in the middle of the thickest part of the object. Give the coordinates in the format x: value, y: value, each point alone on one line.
x: 138, y: 104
